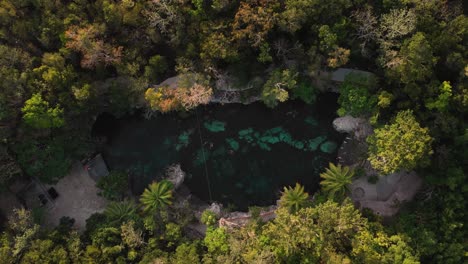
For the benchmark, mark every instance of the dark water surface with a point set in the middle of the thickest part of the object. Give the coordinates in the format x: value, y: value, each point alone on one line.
x: 243, y: 156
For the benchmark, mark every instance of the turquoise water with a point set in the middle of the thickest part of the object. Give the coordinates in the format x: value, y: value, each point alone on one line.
x: 235, y: 154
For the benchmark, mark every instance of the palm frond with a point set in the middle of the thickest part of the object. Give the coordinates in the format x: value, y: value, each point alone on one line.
x: 121, y: 211
x: 158, y: 195
x: 336, y: 179
x: 294, y: 198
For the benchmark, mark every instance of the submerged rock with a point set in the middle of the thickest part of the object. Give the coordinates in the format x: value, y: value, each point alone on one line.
x: 314, y: 143
x: 310, y: 121
x: 328, y: 147
x: 264, y: 146
x: 200, y: 157
x: 360, y: 128
x: 215, y: 126
x: 233, y: 144
x: 298, y: 145
x: 183, y: 140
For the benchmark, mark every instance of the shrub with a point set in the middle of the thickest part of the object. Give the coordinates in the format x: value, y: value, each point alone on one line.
x: 208, y: 218
x: 113, y: 186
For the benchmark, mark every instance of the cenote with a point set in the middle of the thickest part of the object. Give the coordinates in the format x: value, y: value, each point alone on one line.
x: 239, y: 155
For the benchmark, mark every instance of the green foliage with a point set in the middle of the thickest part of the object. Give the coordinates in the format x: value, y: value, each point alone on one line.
x: 417, y: 60
x: 305, y: 91
x: 355, y: 97
x: 157, y: 196
x: 328, y: 40
x: 216, y: 240
x: 119, y: 212
x: 264, y: 56
x: 276, y: 88
x: 402, y: 144
x: 215, y: 126
x: 382, y: 248
x: 21, y: 232
x: 443, y: 99
x: 114, y: 185
x: 38, y: 114
x: 311, y: 234
x: 186, y: 253
x: 172, y: 234
x: 294, y: 198
x: 45, y: 251
x: 8, y: 166
x: 48, y: 160
x: 131, y: 236
x: 385, y: 99
x: 71, y: 60
x: 208, y: 218
x: 336, y: 179
x: 218, y: 47
x: 157, y: 66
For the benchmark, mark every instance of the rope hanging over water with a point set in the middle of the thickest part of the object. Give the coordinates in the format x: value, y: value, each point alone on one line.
x: 204, y: 157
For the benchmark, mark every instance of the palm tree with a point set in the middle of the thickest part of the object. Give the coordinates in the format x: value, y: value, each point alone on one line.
x: 294, y: 198
x: 119, y: 212
x: 336, y: 180
x: 158, y: 195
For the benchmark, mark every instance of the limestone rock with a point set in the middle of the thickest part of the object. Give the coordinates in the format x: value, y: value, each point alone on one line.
x: 358, y: 127
x: 175, y: 175
x: 215, y: 208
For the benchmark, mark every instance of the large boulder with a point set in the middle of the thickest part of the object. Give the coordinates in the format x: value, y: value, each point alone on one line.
x: 357, y: 127
x: 175, y: 175
x: 215, y: 208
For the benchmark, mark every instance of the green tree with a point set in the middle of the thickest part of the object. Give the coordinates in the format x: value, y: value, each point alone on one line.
x: 131, y: 236
x: 443, y: 98
x: 157, y: 66
x: 48, y: 160
x: 276, y: 88
x: 106, y: 246
x: 87, y: 40
x: 402, y: 144
x: 336, y: 179
x: 20, y: 233
x: 294, y: 198
x: 216, y: 240
x: 157, y: 196
x: 311, y: 235
x: 328, y: 39
x: 417, y: 60
x: 38, y: 114
x: 253, y: 21
x: 264, y: 56
x: 355, y: 96
x: 8, y: 166
x: 45, y: 251
x: 172, y: 235
x: 305, y: 91
x: 379, y: 247
x: 298, y: 14
x: 186, y: 253
x: 218, y: 47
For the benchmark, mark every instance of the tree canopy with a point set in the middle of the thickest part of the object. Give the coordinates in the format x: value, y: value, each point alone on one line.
x: 402, y: 144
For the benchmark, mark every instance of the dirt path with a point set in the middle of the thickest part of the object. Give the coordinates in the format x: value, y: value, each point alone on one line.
x: 77, y: 199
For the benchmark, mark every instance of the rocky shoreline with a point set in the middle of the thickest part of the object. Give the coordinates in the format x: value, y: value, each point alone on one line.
x: 384, y: 196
